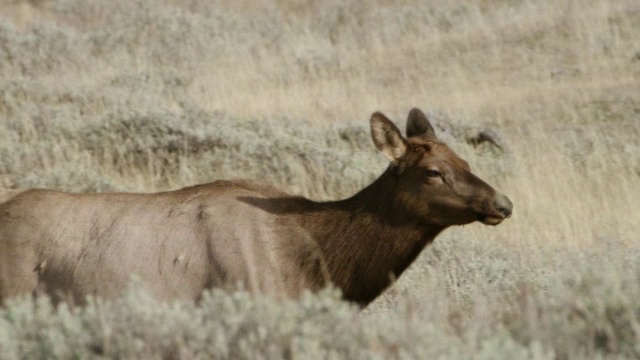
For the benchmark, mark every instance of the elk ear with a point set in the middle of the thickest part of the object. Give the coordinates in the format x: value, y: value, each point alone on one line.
x: 419, y: 125
x: 387, y: 137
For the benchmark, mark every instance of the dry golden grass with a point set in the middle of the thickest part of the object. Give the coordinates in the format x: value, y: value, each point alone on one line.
x: 560, y: 81
x: 545, y: 73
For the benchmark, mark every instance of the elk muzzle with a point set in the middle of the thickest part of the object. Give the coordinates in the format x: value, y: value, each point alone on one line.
x: 500, y: 209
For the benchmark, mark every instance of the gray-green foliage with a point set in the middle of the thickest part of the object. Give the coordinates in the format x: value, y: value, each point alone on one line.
x: 127, y: 114
x: 586, y: 308
x: 84, y: 139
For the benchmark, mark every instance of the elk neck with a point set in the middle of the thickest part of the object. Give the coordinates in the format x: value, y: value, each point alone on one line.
x: 368, y: 240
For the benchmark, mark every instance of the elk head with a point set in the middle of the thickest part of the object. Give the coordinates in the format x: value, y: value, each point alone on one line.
x: 433, y: 184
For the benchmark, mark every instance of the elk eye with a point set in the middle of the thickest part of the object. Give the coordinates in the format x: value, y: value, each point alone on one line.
x: 432, y: 173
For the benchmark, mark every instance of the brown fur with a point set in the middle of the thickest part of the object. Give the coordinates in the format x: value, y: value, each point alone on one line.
x: 8, y: 195
x: 238, y: 232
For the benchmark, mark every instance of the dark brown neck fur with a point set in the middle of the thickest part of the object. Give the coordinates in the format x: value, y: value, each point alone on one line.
x: 368, y: 239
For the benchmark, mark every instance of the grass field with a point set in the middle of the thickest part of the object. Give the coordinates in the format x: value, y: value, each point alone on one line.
x: 152, y: 95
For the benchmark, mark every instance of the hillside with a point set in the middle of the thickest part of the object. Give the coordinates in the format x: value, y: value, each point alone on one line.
x: 153, y: 95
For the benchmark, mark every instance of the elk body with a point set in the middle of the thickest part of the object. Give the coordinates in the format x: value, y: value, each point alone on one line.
x: 220, y: 234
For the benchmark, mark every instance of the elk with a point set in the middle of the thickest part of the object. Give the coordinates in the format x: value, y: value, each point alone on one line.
x: 226, y: 233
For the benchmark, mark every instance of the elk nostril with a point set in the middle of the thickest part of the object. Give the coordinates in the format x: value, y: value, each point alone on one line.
x: 504, y: 205
x: 505, y: 211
